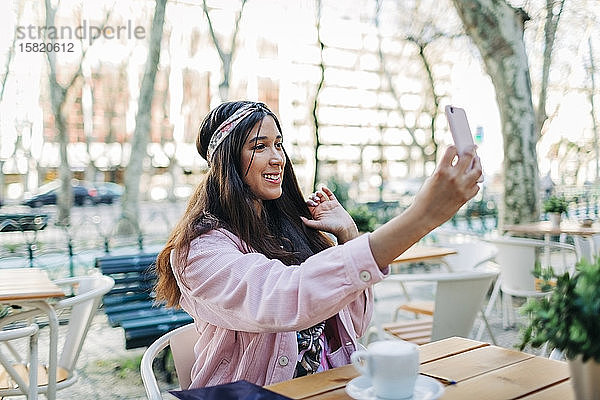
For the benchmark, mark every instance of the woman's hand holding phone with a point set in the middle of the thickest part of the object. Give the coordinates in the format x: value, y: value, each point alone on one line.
x: 461, y: 133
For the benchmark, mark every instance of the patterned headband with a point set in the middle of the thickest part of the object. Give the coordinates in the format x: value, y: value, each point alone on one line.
x: 229, y: 125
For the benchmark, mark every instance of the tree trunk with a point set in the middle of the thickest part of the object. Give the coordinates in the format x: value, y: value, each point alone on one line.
x: 129, y: 222
x: 58, y: 95
x: 315, y: 108
x: 592, y: 73
x: 496, y: 28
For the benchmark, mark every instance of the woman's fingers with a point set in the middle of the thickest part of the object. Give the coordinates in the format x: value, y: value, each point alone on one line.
x: 328, y: 192
x: 311, y: 203
x: 477, y: 169
x: 449, y: 155
x: 320, y: 196
x: 311, y: 223
x: 465, y: 160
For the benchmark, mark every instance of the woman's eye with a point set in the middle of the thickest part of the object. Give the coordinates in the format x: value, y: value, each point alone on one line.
x: 259, y: 146
x: 279, y: 145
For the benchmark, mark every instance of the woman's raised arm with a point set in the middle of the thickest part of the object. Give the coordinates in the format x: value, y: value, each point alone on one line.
x: 440, y: 197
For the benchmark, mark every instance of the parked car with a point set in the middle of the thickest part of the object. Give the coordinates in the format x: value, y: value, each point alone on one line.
x: 107, y: 192
x: 47, y: 194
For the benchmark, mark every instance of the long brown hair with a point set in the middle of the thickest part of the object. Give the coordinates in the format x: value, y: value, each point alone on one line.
x: 223, y: 200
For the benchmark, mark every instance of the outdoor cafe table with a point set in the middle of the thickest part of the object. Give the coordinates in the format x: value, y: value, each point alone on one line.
x: 32, y: 287
x: 481, y: 371
x: 545, y: 228
x: 421, y: 253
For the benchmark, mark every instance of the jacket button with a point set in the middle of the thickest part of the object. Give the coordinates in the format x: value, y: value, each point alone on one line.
x: 365, y: 276
x: 283, y: 361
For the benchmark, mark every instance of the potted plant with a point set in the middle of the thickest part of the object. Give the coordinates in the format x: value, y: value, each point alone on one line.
x: 555, y: 206
x: 569, y: 320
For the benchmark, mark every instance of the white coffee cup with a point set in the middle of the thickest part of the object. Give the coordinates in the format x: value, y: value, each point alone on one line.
x: 392, y: 366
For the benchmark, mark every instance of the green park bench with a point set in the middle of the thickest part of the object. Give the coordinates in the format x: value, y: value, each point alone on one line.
x: 131, y: 304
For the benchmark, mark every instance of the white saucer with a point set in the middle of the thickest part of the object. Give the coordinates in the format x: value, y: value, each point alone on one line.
x: 426, y: 388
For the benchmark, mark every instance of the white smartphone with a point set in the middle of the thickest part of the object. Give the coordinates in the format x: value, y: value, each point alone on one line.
x: 459, y: 127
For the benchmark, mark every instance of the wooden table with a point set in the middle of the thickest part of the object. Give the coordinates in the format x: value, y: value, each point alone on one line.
x: 482, y: 371
x: 419, y: 252
x: 26, y: 284
x: 545, y: 228
x: 32, y: 287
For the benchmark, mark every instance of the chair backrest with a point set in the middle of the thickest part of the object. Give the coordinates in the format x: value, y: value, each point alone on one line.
x: 182, y: 342
x: 517, y: 258
x: 458, y: 298
x: 584, y: 247
x: 470, y: 254
x: 89, y: 292
x: 587, y: 247
x: 182, y: 347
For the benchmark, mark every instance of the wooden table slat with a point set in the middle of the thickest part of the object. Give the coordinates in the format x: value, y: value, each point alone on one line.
x: 475, y: 362
x: 312, y: 385
x: 337, y: 394
x: 446, y: 348
x: 562, y: 391
x: 510, y: 382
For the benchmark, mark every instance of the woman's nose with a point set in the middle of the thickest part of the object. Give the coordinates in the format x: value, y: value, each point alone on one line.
x: 276, y: 157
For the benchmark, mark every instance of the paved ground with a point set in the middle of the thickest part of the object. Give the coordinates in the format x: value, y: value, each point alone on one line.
x: 108, y: 371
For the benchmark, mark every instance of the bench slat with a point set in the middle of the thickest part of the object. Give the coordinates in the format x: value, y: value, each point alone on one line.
x: 126, y: 298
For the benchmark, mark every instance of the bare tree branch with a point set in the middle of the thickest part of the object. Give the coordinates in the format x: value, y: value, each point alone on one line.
x: 550, y: 27
x: 316, y: 98
x: 11, y: 53
x: 58, y: 96
x: 213, y: 35
x: 236, y: 29
x: 226, y: 57
x: 388, y: 76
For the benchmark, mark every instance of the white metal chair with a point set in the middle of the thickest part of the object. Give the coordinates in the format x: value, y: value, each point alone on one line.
x: 82, y: 305
x: 458, y: 299
x: 587, y: 247
x: 11, y: 376
x: 517, y: 258
x: 471, y: 254
x: 181, y: 341
x: 584, y: 247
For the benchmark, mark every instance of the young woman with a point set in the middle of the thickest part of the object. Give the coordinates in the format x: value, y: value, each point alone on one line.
x: 270, y: 295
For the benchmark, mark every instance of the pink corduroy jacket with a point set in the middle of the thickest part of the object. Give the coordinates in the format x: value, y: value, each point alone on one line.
x: 247, y: 308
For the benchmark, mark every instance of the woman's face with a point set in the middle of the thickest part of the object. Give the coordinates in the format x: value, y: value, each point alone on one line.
x: 265, y: 174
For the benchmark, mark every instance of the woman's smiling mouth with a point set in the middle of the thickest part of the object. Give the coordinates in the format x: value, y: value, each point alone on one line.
x: 273, y: 178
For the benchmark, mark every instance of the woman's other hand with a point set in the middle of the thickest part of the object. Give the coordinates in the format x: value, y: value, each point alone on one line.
x: 329, y: 216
